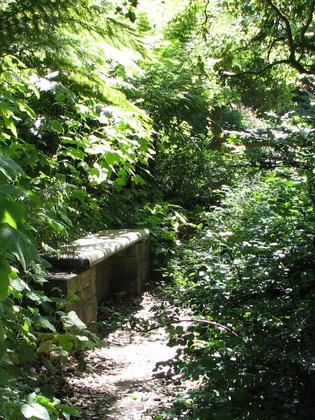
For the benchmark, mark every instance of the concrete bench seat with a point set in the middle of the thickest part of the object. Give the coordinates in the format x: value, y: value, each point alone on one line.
x: 99, y: 265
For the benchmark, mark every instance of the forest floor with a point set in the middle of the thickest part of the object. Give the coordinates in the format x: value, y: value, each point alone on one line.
x: 128, y: 377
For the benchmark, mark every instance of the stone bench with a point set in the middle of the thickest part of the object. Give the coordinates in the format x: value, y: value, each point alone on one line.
x: 99, y: 265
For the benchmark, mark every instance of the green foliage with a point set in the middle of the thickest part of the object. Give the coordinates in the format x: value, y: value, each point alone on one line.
x: 167, y: 222
x: 76, y: 155
x: 68, y: 140
x: 191, y: 100
x: 189, y: 169
x: 282, y: 34
x: 251, y: 268
x: 31, y: 335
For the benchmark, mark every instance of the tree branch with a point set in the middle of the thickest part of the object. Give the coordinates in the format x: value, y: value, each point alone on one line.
x: 309, y: 21
x: 272, y: 44
x: 260, y: 71
x: 287, y: 24
x: 206, y: 17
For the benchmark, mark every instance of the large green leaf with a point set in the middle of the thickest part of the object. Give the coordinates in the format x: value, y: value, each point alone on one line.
x: 11, y: 212
x: 56, y: 126
x: 42, y: 322
x: 72, y: 321
x: 24, y: 107
x: 5, y: 271
x: 18, y: 244
x: 9, y: 190
x: 9, y: 168
x: 10, y: 126
x: 66, y: 341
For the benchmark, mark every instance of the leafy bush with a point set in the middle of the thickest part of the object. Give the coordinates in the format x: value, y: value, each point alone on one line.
x: 68, y: 139
x: 251, y: 269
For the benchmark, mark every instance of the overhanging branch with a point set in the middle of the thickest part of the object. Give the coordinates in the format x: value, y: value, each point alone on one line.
x: 309, y: 21
x: 287, y: 24
x: 257, y: 72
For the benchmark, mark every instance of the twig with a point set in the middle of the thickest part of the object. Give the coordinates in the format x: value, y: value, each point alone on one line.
x: 197, y: 321
x: 206, y: 13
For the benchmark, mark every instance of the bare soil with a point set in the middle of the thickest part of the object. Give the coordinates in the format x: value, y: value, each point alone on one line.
x: 129, y: 378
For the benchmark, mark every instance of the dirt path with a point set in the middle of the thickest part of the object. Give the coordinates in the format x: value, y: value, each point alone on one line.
x: 120, y: 381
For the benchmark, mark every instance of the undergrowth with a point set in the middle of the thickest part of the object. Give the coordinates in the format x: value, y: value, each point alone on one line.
x: 251, y: 269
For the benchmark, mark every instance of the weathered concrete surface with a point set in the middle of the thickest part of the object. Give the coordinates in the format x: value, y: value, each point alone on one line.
x: 92, y: 249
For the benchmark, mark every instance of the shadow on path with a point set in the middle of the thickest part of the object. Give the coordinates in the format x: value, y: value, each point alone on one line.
x: 119, y: 380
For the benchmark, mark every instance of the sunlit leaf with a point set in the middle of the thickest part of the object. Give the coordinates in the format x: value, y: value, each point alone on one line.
x: 7, y: 218
x: 17, y: 243
x: 56, y: 126
x: 35, y: 410
x: 10, y: 126
x: 71, y: 320
x: 24, y: 107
